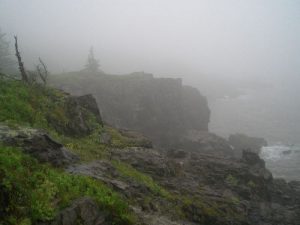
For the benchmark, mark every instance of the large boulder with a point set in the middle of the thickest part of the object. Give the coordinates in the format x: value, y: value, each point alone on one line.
x: 242, y: 142
x: 204, y: 142
x: 81, y: 113
x: 38, y: 144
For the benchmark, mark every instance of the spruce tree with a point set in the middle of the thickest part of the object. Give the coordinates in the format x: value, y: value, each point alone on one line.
x: 92, y: 63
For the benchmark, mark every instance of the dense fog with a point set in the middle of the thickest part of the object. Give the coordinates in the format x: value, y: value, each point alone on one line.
x: 150, y: 112
x: 224, y: 48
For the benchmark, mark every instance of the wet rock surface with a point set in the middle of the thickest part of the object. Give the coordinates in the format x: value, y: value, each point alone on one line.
x: 243, y: 142
x: 78, y: 112
x: 203, y: 188
x: 82, y: 211
x: 205, y: 142
x: 38, y: 144
x: 243, y: 190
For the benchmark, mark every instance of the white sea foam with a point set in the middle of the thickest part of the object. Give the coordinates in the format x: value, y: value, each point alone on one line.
x: 283, y: 161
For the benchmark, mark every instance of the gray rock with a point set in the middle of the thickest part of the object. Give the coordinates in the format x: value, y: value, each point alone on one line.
x: 139, y: 139
x: 105, y: 138
x: 82, y: 211
x: 160, y: 108
x: 38, y: 144
x: 242, y: 142
x: 205, y: 142
x: 242, y: 186
x: 78, y: 110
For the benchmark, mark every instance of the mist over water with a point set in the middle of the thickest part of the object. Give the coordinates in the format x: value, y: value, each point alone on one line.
x: 283, y: 161
x: 271, y: 113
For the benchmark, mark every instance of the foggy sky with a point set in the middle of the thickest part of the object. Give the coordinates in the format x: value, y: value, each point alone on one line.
x: 176, y: 38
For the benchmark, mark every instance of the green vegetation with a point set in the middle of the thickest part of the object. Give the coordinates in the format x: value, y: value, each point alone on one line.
x: 210, y: 211
x: 36, y: 192
x: 231, y: 180
x: 90, y: 147
x: 251, y: 184
x: 235, y: 200
x: 208, y: 208
x: 30, y: 105
x: 129, y: 171
x: 43, y: 107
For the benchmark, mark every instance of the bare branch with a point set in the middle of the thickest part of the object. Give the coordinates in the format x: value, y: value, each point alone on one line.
x: 21, y: 64
x: 44, y: 76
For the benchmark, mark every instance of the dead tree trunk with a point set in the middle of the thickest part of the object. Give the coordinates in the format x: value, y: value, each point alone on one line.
x: 21, y: 64
x: 44, y: 76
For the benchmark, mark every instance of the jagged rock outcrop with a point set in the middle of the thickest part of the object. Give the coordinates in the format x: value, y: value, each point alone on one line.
x: 242, y: 142
x: 78, y: 111
x: 201, y: 188
x: 224, y: 190
x: 38, y: 144
x: 160, y: 108
x: 204, y: 142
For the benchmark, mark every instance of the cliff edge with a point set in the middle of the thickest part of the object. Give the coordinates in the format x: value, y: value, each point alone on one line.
x: 163, y: 109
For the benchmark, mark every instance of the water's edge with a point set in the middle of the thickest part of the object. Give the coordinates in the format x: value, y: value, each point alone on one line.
x: 283, y: 161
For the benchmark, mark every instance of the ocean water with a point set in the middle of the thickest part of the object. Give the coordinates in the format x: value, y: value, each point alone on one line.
x: 283, y: 161
x: 272, y: 113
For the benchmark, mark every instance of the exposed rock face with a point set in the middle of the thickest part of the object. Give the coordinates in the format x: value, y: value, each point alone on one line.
x: 88, y: 102
x: 78, y: 111
x: 38, y: 144
x: 242, y: 142
x: 204, y: 142
x: 141, y: 139
x: 160, y: 108
x: 205, y: 188
x: 243, y: 189
x: 148, y: 213
x: 83, y: 211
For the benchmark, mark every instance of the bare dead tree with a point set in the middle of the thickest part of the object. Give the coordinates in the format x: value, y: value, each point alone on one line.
x: 43, y: 74
x: 21, y: 64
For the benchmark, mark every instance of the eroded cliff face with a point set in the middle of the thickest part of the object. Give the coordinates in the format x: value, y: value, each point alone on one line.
x: 161, y: 108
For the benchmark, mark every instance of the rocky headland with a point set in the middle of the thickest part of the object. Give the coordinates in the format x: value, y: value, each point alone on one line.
x: 89, y: 172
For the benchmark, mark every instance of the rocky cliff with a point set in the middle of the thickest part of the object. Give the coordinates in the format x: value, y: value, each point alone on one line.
x: 161, y: 108
x: 162, y: 188
x: 101, y: 175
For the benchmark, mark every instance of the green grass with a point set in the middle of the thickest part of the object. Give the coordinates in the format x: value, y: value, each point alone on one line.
x: 231, y: 180
x: 128, y: 171
x: 30, y: 104
x: 90, y: 147
x: 36, y: 192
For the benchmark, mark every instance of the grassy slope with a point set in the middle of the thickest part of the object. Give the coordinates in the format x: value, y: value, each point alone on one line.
x: 41, y: 189
x: 37, y: 191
